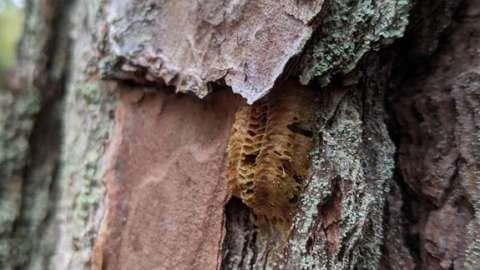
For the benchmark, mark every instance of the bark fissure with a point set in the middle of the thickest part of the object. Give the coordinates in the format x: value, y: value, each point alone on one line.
x: 436, y: 210
x: 43, y: 70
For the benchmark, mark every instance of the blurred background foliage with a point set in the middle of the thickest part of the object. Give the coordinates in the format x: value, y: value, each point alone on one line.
x: 11, y: 21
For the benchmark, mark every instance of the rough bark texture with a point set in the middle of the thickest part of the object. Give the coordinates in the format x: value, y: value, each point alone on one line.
x: 191, y: 44
x: 89, y: 180
x: 88, y: 119
x: 339, y: 221
x: 436, y: 109
x: 30, y: 138
x: 246, y: 44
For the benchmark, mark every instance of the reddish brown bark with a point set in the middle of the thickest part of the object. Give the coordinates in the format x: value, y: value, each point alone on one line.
x: 165, y: 182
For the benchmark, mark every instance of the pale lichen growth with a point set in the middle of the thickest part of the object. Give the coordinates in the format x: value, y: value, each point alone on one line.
x: 87, y: 128
x: 356, y: 164
x: 467, y: 101
x: 16, y: 124
x: 351, y: 29
x: 472, y: 253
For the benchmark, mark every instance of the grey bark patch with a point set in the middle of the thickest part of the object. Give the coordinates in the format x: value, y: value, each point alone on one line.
x: 191, y: 44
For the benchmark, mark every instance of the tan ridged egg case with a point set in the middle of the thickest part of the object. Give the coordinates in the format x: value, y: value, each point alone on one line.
x: 268, y: 153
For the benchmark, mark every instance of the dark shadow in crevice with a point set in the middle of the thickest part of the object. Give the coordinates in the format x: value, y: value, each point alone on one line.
x: 239, y: 249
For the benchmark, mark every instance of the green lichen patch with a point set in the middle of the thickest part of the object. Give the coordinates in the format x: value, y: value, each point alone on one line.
x: 16, y: 124
x: 349, y: 30
x: 88, y: 125
x: 339, y: 224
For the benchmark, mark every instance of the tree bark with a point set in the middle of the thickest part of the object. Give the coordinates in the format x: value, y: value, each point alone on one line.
x: 114, y: 130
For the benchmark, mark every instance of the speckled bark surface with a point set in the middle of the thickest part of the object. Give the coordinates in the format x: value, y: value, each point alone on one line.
x: 340, y: 218
x: 30, y: 137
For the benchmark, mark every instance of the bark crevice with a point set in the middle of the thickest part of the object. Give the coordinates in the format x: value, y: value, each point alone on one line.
x: 43, y: 60
x: 429, y: 199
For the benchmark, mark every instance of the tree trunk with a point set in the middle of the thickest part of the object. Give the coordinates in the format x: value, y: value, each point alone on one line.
x: 115, y: 135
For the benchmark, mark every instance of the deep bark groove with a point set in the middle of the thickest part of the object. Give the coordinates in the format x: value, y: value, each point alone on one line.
x: 436, y: 210
x: 42, y: 70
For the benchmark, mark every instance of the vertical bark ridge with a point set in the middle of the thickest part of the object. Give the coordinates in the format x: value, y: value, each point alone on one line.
x: 27, y: 194
x: 435, y: 89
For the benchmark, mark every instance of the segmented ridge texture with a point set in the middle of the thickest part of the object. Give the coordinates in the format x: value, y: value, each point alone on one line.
x: 245, y: 141
x: 268, y: 152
